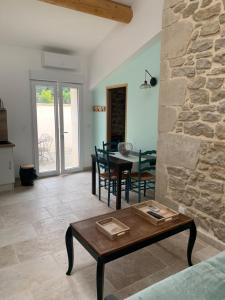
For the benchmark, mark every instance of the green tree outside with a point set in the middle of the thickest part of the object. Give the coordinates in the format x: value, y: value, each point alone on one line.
x: 46, y: 95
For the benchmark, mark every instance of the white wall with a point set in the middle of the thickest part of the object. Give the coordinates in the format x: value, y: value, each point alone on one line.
x: 15, y: 66
x: 125, y: 40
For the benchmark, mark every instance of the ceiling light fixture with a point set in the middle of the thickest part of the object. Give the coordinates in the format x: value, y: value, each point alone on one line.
x: 152, y: 82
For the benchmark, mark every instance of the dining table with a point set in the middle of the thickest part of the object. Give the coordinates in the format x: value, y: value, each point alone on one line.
x: 119, y: 163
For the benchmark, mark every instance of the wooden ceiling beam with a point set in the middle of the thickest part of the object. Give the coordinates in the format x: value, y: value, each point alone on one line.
x: 102, y: 8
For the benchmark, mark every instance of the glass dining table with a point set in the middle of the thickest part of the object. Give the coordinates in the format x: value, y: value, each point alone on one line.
x: 119, y: 163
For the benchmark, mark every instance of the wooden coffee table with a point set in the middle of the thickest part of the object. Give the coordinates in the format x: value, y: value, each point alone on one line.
x: 141, y: 234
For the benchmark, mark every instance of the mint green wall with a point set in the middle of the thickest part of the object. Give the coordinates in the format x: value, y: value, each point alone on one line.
x: 142, y: 105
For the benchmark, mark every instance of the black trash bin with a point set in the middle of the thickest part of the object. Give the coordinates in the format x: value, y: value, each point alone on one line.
x: 27, y: 175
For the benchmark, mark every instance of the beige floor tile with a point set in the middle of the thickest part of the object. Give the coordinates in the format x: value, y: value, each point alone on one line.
x: 21, y: 194
x: 21, y: 296
x: 146, y: 282
x: 24, y: 207
x: 47, y: 200
x: 31, y: 249
x: 12, y: 282
x: 48, y: 226
x: 7, y: 257
x: 126, y: 270
x: 91, y: 212
x: 56, y: 210
x: 21, y: 214
x: 82, y: 258
x: 38, y: 271
x: 84, y: 284
x: 167, y: 257
x: 77, y: 197
x: 42, y: 245
x: 174, y: 250
x: 2, y: 225
x: 178, y: 244
x: 66, y: 220
x: 58, y: 289
x: 14, y: 234
x: 58, y: 198
x: 53, y: 224
x: 206, y: 253
x: 13, y: 198
x: 33, y: 259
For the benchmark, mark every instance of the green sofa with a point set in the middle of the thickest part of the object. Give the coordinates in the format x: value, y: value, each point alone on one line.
x: 203, y: 281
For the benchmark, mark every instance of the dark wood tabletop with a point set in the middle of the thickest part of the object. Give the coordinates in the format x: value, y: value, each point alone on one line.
x: 140, y: 229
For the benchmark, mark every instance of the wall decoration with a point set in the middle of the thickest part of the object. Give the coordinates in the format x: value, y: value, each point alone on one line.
x: 98, y: 108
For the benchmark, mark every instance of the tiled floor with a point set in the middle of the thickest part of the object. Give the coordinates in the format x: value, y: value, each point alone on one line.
x: 33, y: 259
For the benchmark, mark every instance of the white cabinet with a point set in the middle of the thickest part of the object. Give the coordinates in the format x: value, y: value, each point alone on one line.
x: 7, y: 174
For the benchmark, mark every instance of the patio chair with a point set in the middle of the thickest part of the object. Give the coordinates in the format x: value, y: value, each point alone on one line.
x: 44, y: 146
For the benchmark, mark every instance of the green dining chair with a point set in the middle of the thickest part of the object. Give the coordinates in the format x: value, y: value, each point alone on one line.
x: 107, y: 178
x: 110, y: 146
x: 144, y: 179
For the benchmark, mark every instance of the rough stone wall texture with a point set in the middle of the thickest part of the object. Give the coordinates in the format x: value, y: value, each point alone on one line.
x: 191, y: 145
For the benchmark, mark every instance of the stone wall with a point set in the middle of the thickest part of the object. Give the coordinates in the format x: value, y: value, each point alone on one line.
x: 191, y: 145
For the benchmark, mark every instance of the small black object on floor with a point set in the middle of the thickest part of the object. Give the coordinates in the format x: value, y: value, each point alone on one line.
x: 27, y: 175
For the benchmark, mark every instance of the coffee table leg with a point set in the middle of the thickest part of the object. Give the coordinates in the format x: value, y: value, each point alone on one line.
x: 100, y: 279
x: 93, y: 176
x: 118, y: 195
x: 191, y: 242
x: 69, y: 247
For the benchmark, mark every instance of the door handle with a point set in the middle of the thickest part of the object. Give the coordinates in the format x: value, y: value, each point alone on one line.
x: 65, y: 132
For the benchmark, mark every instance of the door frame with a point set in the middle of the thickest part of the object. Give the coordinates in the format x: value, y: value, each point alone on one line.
x: 61, y: 120
x: 57, y: 84
x: 108, y: 109
x: 35, y: 130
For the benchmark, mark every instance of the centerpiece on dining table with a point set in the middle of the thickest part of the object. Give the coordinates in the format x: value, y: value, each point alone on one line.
x: 125, y: 148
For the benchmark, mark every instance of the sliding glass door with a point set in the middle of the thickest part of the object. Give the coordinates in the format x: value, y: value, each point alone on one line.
x: 56, y: 127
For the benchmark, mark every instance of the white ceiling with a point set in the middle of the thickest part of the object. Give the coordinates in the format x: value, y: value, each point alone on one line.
x: 31, y: 23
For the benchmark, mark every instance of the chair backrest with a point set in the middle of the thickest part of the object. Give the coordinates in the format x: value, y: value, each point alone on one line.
x: 110, y: 146
x: 145, y: 161
x: 153, y: 154
x: 102, y: 159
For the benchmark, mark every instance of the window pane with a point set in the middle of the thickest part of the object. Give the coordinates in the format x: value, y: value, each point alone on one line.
x: 71, y: 130
x: 45, y: 106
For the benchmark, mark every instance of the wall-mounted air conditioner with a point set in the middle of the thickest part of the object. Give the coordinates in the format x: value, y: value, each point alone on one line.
x: 60, y: 61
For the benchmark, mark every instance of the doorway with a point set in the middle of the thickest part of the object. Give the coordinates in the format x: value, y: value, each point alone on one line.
x: 116, y: 113
x: 56, y: 127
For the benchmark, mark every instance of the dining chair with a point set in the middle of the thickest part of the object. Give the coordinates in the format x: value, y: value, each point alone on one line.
x: 110, y: 146
x: 144, y: 179
x: 152, y: 153
x: 107, y: 178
